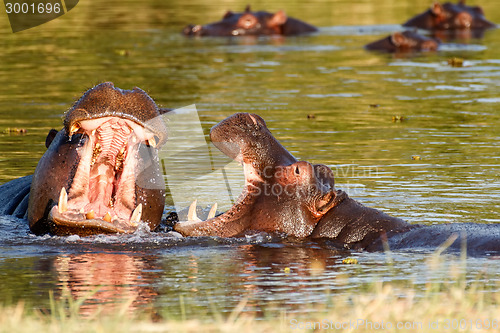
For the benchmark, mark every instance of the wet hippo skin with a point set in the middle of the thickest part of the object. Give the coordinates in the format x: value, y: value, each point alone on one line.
x: 452, y: 21
x: 100, y: 173
x: 406, y: 41
x: 299, y: 199
x: 250, y: 23
x: 449, y: 16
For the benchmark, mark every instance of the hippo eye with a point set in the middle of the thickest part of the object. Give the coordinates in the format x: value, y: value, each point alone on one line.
x: 297, y: 171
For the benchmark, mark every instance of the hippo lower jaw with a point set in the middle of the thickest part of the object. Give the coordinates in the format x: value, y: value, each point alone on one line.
x: 101, y: 197
x: 219, y: 225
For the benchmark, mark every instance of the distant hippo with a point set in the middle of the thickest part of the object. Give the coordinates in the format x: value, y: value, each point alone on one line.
x: 251, y: 23
x: 100, y: 173
x: 451, y: 17
x: 407, y: 41
x: 299, y: 199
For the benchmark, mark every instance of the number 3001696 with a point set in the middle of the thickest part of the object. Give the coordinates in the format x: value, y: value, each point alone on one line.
x: 32, y: 8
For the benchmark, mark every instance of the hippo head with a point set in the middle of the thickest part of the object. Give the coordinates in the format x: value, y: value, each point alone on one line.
x: 406, y: 41
x: 280, y: 194
x: 247, y: 23
x: 450, y: 16
x: 100, y: 173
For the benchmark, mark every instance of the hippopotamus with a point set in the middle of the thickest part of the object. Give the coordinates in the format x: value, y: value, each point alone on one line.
x: 100, y: 173
x: 452, y: 17
x: 406, y: 41
x: 299, y: 199
x: 251, y: 23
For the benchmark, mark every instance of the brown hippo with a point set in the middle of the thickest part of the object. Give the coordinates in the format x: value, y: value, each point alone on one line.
x: 458, y: 20
x: 251, y: 23
x: 406, y: 41
x: 100, y: 173
x: 286, y: 196
x: 299, y: 199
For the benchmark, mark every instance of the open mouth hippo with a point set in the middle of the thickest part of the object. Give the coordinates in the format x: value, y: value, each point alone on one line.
x: 299, y: 199
x: 284, y: 195
x: 251, y: 23
x: 100, y: 173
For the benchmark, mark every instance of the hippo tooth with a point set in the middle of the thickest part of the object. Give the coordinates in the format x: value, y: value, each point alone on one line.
x: 90, y: 215
x: 192, y: 212
x: 107, y: 217
x: 151, y: 143
x: 74, y: 128
x: 136, y: 215
x: 63, y: 201
x: 211, y: 214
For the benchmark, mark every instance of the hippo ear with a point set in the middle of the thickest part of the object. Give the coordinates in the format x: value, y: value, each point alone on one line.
x: 278, y: 19
x: 329, y: 201
x: 228, y: 14
x: 437, y: 9
x: 247, y: 9
x: 398, y: 39
x: 50, y: 137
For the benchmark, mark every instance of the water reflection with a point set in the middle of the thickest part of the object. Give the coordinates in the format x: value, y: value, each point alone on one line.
x: 263, y: 276
x: 107, y: 281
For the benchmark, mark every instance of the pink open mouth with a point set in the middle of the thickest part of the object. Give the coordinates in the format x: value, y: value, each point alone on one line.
x: 102, y: 193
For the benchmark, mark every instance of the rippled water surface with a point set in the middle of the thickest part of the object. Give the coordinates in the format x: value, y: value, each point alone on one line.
x: 369, y: 114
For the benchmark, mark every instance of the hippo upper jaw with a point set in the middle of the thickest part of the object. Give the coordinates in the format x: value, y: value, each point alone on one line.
x: 102, y: 194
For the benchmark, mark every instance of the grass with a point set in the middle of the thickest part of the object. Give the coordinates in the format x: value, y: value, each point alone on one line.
x: 451, y: 305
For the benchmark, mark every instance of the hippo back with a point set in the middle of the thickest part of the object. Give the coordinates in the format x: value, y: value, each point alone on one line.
x: 14, y: 197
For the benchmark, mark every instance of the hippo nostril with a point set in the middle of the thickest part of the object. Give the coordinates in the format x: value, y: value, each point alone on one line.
x: 297, y: 171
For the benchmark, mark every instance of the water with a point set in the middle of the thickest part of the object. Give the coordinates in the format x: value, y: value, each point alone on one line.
x: 450, y: 119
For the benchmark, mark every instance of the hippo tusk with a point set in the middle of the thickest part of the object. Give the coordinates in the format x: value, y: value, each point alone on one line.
x: 136, y: 215
x: 212, y: 212
x: 192, y: 212
x: 74, y: 128
x: 63, y: 201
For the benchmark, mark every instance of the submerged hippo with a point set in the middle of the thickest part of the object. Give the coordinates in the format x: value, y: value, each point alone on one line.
x: 407, y: 41
x: 100, y: 173
x: 299, y: 199
x: 251, y: 23
x: 451, y: 17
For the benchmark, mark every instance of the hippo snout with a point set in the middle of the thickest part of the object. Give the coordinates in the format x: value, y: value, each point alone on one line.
x: 192, y: 30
